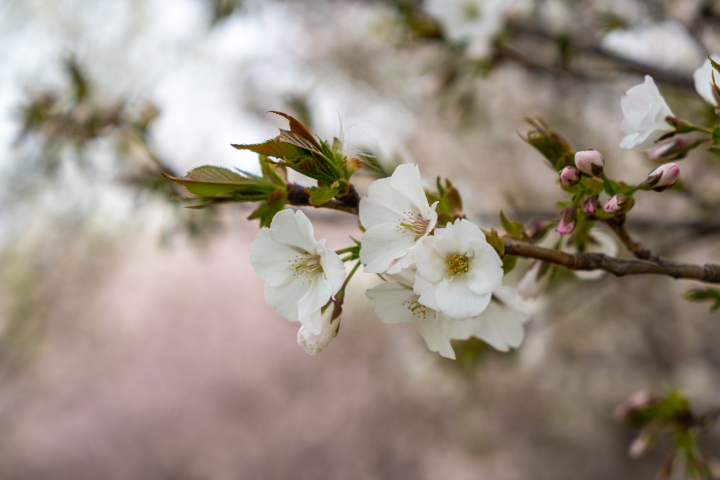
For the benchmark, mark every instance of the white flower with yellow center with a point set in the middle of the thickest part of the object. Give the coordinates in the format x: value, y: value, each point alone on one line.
x: 396, y: 215
x: 300, y: 274
x: 457, y: 270
x: 395, y: 302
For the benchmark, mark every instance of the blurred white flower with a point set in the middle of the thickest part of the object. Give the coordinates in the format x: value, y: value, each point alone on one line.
x: 457, y: 270
x: 473, y: 21
x: 316, y: 343
x: 534, y: 282
x: 500, y: 325
x: 600, y: 242
x: 666, y: 45
x: 645, y: 110
x: 396, y: 215
x: 300, y: 274
x: 704, y: 81
x: 395, y: 302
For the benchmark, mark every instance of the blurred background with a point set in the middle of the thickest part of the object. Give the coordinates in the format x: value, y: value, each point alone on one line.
x: 134, y: 338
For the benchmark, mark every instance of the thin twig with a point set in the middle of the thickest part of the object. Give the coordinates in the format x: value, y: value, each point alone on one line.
x: 618, y: 226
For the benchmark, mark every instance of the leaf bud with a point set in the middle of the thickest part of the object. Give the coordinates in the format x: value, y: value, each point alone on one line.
x: 590, y: 162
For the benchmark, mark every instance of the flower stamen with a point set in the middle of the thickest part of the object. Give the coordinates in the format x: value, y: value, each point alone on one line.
x: 413, y: 224
x: 305, y: 265
x: 456, y: 265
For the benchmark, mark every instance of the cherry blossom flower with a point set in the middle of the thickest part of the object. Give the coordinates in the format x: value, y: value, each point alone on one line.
x: 704, y: 81
x: 300, y: 274
x: 500, y: 324
x: 645, y: 110
x: 396, y: 302
x: 315, y: 343
x: 396, y: 215
x: 457, y: 270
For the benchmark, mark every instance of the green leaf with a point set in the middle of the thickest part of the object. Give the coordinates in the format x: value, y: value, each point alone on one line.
x: 716, y: 135
x: 708, y: 294
x: 266, y: 211
x: 270, y: 171
x: 513, y: 228
x: 593, y: 186
x: 509, y: 262
x: 714, y: 64
x: 320, y: 195
x: 496, y: 242
x: 611, y: 187
x: 209, y: 181
x: 715, y: 151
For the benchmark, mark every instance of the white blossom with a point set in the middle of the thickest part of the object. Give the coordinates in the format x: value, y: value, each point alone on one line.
x: 500, y: 325
x: 534, y: 282
x: 645, y: 110
x: 473, y: 21
x: 396, y: 215
x: 457, y: 270
x: 704, y: 81
x: 666, y: 45
x: 315, y: 343
x: 300, y: 274
x: 395, y: 302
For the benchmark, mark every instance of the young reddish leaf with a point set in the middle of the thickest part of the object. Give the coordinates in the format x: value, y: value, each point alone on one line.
x: 299, y: 129
x: 273, y: 148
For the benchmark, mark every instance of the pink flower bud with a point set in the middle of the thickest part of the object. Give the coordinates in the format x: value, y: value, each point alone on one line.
x: 617, y: 203
x: 663, y: 177
x: 569, y: 176
x: 590, y: 162
x: 674, y: 150
x: 589, y: 205
x: 567, y: 221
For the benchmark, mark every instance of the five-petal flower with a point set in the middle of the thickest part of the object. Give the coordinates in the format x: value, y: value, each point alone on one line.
x: 457, y: 270
x: 300, y: 274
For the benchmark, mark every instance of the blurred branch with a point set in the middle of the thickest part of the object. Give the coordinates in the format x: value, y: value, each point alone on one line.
x: 618, y: 226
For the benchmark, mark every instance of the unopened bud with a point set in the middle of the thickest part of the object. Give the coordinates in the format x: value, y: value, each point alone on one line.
x: 567, y: 221
x: 642, y: 442
x: 590, y: 162
x: 674, y: 150
x: 590, y: 205
x: 569, y: 176
x: 330, y: 321
x: 663, y: 177
x: 638, y: 401
x: 617, y: 203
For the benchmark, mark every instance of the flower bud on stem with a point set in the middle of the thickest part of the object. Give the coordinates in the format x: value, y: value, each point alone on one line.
x: 618, y: 204
x: 566, y: 222
x: 590, y: 162
x: 569, y: 176
x: 662, y: 178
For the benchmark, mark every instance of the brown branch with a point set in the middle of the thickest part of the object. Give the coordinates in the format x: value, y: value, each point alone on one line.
x: 618, y: 226
x: 618, y: 267
x: 297, y: 195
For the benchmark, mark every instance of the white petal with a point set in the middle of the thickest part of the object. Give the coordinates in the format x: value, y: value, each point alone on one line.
x: 284, y: 298
x: 293, y: 229
x: 432, y: 330
x: 389, y: 299
x: 457, y: 301
x: 383, y: 204
x: 448, y: 242
x: 332, y: 266
x: 427, y: 292
x: 703, y: 81
x: 272, y: 261
x: 428, y: 261
x: 381, y: 245
x: 403, y: 262
x: 317, y: 295
x: 406, y: 180
x: 405, y: 277
x: 485, y: 271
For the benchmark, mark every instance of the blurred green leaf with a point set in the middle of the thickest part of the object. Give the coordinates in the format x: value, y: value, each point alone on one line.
x: 210, y: 181
x: 322, y: 194
x: 706, y: 294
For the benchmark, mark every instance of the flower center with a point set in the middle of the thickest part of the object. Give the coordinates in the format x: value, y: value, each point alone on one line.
x: 456, y: 265
x: 419, y: 311
x: 413, y: 224
x: 470, y: 10
x: 305, y: 265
